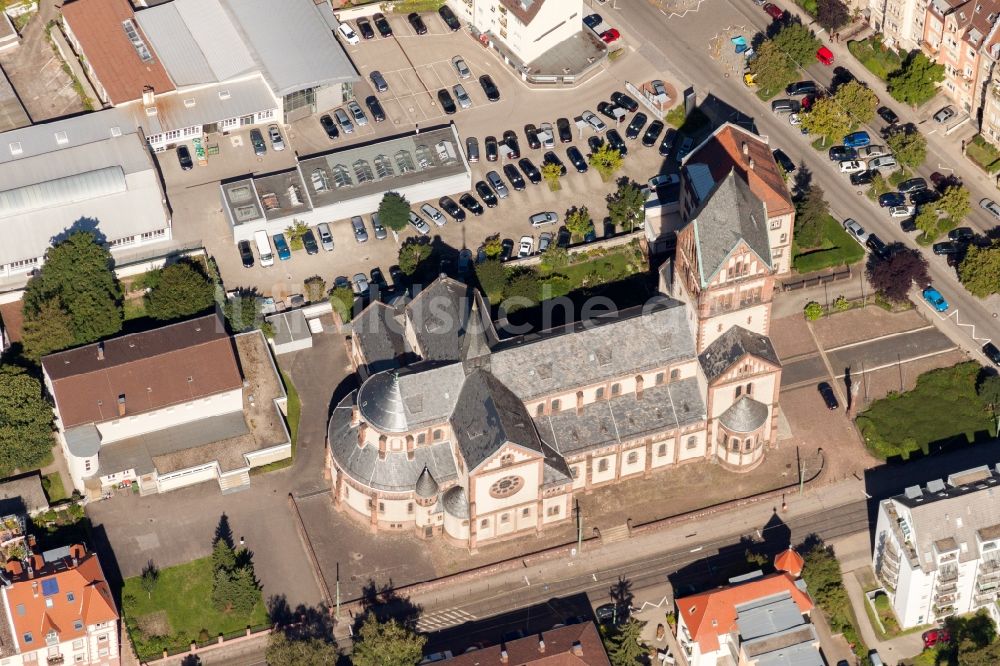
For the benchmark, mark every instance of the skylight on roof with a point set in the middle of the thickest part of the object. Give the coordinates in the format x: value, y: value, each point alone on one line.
x: 133, y: 36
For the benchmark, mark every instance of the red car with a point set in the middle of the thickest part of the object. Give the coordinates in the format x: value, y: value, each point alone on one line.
x: 935, y: 636
x: 824, y: 55
x: 774, y: 11
x: 610, y: 35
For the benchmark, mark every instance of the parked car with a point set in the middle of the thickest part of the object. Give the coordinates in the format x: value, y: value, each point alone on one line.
x: 615, y: 141
x: 365, y: 28
x: 281, y: 247
x: 419, y: 224
x: 624, y: 101
x: 902, y: 211
x: 888, y: 115
x: 382, y: 25
x: 935, y: 299
x: 852, y: 227
x: 829, y: 397
x: 652, y: 133
x: 857, y: 139
x: 472, y: 149
x: 462, y: 69
x: 257, y: 141
x: 358, y: 225
x: 576, y: 159
x: 686, y: 145
x: 246, y: 253
x: 375, y: 107
x: 361, y: 286
x: 417, y: 23
x: 530, y: 171
x: 891, y: 199
x: 663, y: 180
x: 862, y: 177
x: 852, y: 166
x: 595, y: 123
x: 609, y: 110
x: 635, y: 127
x: 378, y: 228
x: 908, y: 225
x: 434, y: 214
x: 309, y: 242
x: 329, y: 126
x: 541, y: 219
x: 357, y: 113
x: 945, y: 248
x: 668, y: 142
x: 921, y: 197
x: 783, y: 160
x: 594, y: 143
x: 378, y: 81
x: 325, y: 237
x: 449, y: 18
x: 610, y: 36
x: 991, y: 352
x: 449, y: 206
x: 659, y: 89
x: 824, y: 55
x: 531, y: 136
x: 991, y: 207
x: 884, y: 162
x: 496, y: 182
x: 544, y: 241
x: 912, y: 185
x: 506, y: 249
x: 447, y: 103
x: 592, y: 20
x: 565, y: 133
x: 877, y: 245
x: 547, y: 135
x: 775, y: 12
x: 486, y: 194
x: 962, y: 235
x: 470, y: 204
x: 551, y: 158
x: 516, y: 181
x: 842, y: 153
x: 526, y: 246
x: 802, y: 88
x: 510, y: 139
x: 489, y: 88
x: 786, y: 106
x: 944, y: 115
x: 492, y: 149
x: 184, y: 158
x: 346, y: 126
x: 348, y: 34
x: 872, y: 151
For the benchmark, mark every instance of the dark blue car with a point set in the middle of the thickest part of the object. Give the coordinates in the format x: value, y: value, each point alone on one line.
x: 281, y: 245
x: 857, y: 140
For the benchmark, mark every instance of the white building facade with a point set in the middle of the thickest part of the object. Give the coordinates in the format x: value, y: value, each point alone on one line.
x: 528, y: 28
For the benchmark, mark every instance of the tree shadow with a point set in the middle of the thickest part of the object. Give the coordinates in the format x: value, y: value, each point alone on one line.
x: 224, y: 531
x: 302, y: 622
x: 621, y: 593
x: 802, y: 182
x: 384, y: 603
x: 191, y: 660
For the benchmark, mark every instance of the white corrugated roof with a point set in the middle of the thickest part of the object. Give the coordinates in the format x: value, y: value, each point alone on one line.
x: 26, y: 142
x: 61, y: 191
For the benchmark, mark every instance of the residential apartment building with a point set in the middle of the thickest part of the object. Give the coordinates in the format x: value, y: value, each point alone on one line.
x: 458, y: 430
x: 58, y: 610
x: 899, y: 22
x: 990, y: 126
x: 571, y: 645
x: 527, y: 28
x: 755, y: 620
x: 167, y: 408
x: 937, y: 547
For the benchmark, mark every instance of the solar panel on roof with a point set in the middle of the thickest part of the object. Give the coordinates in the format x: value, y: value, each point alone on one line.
x: 50, y: 586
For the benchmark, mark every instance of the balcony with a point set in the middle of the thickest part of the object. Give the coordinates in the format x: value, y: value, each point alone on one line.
x: 949, y: 574
x: 56, y: 659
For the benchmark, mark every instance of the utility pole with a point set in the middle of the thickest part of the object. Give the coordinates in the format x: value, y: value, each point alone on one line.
x: 337, y: 615
x: 579, y: 528
x: 802, y: 470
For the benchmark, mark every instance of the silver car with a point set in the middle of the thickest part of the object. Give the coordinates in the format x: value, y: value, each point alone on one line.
x: 359, y: 116
x: 380, y: 232
x: 378, y: 81
x: 546, y: 135
x: 360, y: 233
x: 595, y: 123
x: 361, y: 284
x: 418, y: 223
x: 276, y: 141
x: 463, y: 70
x: 463, y: 98
x: 991, y: 207
x: 325, y: 237
x: 346, y: 126
x: 544, y: 240
x: 472, y: 149
x: 496, y: 182
x: 541, y: 219
x: 433, y: 213
x: 853, y: 228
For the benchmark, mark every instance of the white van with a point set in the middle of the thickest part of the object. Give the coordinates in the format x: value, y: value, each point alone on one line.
x: 263, y: 248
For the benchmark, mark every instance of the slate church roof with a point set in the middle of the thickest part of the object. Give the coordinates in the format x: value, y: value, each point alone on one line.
x: 733, y: 345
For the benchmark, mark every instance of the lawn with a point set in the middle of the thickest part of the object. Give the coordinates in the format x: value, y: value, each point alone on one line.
x: 585, y: 273
x: 53, y: 486
x: 134, y: 308
x: 885, y: 615
x: 838, y: 249
x: 878, y: 59
x: 179, y: 610
x: 943, y: 407
x: 984, y: 154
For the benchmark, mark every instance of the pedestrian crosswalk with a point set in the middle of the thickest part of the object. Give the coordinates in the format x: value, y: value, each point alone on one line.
x: 443, y: 619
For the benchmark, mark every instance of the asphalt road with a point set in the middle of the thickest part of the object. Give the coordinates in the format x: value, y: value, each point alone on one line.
x: 681, y: 45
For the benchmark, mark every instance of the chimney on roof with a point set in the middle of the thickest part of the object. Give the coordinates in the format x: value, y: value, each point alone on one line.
x: 503, y: 656
x: 639, y: 382
x: 541, y: 644
x: 148, y: 95
x: 746, y: 148
x: 121, y: 404
x: 577, y: 648
x: 100, y: 351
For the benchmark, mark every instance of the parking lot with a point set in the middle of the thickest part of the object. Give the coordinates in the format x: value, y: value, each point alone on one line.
x: 415, y: 68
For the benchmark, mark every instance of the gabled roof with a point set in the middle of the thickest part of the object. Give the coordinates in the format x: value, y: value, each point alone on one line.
x: 571, y: 645
x: 166, y: 366
x: 734, y: 148
x: 379, y: 335
x: 726, y: 350
x: 439, y: 317
x: 730, y: 216
x: 125, y: 63
x: 713, y: 614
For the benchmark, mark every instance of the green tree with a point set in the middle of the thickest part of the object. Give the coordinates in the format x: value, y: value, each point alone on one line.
x: 980, y: 270
x: 386, y: 644
x: 970, y: 655
x: 622, y: 643
x: 578, y: 222
x: 606, y: 160
x: 50, y: 329
x: 244, y: 590
x: 989, y: 391
x: 342, y: 300
x: 242, y: 312
x: 928, y: 222
x: 493, y: 246
x: 283, y: 650
x: 223, y: 556
x: 394, y: 211
x: 772, y: 69
x: 315, y: 288
x: 77, y: 277
x: 182, y: 289
x: 522, y: 291
x: 813, y: 311
x: 832, y: 14
x: 909, y: 148
x: 893, y: 275
x: 150, y: 577
x: 821, y: 572
x: 555, y: 257
x: 857, y: 100
x: 25, y: 421
x: 295, y: 232
x: 625, y: 207
x: 954, y: 203
x: 552, y: 172
x: 916, y: 81
x: 412, y: 255
x: 798, y: 42
x: 492, y: 278
x: 811, y: 211
x: 828, y: 118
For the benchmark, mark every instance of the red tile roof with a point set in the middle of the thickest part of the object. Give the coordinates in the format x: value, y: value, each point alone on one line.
x: 166, y: 366
x: 713, y: 614
x: 789, y: 561
x: 98, y: 26
x: 77, y: 592
x: 558, y: 650
x: 12, y: 318
x: 733, y: 148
